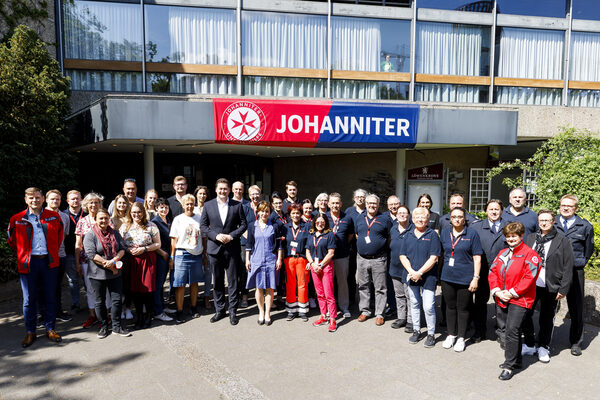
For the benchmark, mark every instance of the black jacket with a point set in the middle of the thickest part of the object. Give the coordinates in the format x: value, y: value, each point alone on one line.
x: 581, y: 234
x: 491, y: 243
x: 559, y: 263
x: 211, y: 224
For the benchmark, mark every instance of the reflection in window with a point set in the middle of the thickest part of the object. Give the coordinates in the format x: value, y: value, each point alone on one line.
x: 361, y: 44
x: 585, y: 56
x: 439, y: 92
x: 460, y: 5
x: 102, y: 31
x: 452, y: 49
x: 526, y: 95
x: 586, y: 9
x: 369, y: 90
x: 584, y: 98
x: 546, y: 8
x: 190, y: 35
x: 284, y: 40
x: 107, y: 81
x: 189, y: 83
x: 286, y: 87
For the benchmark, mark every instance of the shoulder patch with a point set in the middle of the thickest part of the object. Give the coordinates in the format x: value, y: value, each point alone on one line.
x: 535, y: 259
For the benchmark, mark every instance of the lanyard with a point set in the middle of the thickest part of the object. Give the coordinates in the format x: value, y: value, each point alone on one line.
x: 335, y: 223
x: 454, y: 243
x: 295, y: 234
x: 369, y: 225
x: 283, y: 220
x: 316, y: 242
x: 78, y: 217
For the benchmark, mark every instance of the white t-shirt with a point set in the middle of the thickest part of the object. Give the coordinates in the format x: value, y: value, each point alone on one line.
x: 187, y: 231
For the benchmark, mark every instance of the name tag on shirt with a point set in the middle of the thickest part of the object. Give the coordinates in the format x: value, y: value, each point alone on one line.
x: 293, y: 251
x: 294, y: 244
x: 367, y: 240
x: 178, y: 252
x: 451, y: 262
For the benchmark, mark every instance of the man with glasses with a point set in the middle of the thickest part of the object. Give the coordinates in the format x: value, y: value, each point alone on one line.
x: 35, y: 235
x: 581, y: 234
x: 130, y: 192
x: 372, y: 232
x: 180, y: 187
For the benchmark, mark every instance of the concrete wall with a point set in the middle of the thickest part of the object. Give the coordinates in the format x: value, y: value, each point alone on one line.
x: 544, y: 122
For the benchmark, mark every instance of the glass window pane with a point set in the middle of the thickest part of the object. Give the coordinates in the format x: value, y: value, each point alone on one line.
x: 190, y: 35
x: 452, y: 49
x: 585, y: 56
x: 189, y: 83
x: 284, y: 40
x: 586, y: 9
x: 525, y: 95
x: 546, y: 8
x: 460, y: 5
x: 584, y: 98
x: 439, y: 92
x: 530, y: 53
x: 287, y: 87
x: 106, y: 81
x: 102, y: 31
x: 369, y: 90
x: 361, y: 44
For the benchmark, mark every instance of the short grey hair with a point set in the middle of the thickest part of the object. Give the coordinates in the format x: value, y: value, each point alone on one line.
x: 373, y: 195
x: 89, y: 197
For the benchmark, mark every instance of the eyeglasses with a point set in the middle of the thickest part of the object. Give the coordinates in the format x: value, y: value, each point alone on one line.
x: 545, y: 221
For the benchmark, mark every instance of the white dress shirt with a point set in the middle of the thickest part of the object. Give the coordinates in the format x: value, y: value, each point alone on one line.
x: 223, y: 207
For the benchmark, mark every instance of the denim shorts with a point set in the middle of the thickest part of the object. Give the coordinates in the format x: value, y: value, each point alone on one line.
x: 188, y: 269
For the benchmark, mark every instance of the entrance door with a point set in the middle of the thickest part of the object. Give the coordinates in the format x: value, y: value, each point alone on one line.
x: 434, y: 189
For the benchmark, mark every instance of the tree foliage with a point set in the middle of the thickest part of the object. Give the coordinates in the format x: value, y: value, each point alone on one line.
x: 568, y: 163
x: 15, y: 12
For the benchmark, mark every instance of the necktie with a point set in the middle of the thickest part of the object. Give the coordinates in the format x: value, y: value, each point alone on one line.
x: 565, y: 227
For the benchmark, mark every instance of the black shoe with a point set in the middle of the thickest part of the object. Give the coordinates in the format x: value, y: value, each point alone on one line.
x: 119, y: 330
x: 516, y: 366
x: 505, y: 375
x: 290, y: 316
x: 179, y: 318
x: 414, y: 338
x: 304, y: 317
x: 217, y: 317
x: 260, y: 322
x: 194, y: 312
x: 399, y: 323
x: 429, y: 341
x: 576, y: 350
x: 408, y: 329
x: 476, y: 339
x: 63, y: 316
x: 40, y: 322
x: 147, y: 320
x: 268, y: 322
x: 139, y: 321
x: 233, y: 319
x: 103, y: 332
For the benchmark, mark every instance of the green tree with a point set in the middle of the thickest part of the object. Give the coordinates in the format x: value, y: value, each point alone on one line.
x: 567, y: 163
x: 33, y: 104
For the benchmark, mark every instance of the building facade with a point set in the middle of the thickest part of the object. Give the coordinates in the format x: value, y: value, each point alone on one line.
x: 492, y: 78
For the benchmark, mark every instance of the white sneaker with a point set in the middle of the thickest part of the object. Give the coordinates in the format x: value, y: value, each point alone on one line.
x: 312, y: 303
x: 528, y: 351
x: 163, y: 317
x: 128, y: 314
x: 169, y: 310
x: 449, y: 342
x: 544, y: 355
x: 459, y: 346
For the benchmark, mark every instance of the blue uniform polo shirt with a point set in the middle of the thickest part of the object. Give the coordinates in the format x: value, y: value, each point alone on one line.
x: 318, y: 246
x: 297, y: 235
x: 396, y: 239
x: 528, y: 218
x: 377, y: 229
x: 342, y: 228
x: 275, y: 219
x: 418, y: 252
x: 467, y: 245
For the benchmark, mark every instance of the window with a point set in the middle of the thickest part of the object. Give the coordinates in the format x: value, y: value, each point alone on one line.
x: 586, y: 9
x: 529, y: 185
x: 460, y: 5
x: 546, y: 8
x: 479, y: 189
x: 105, y: 81
x: 528, y: 95
x: 287, y: 87
x: 369, y: 90
x: 439, y: 92
x: 190, y: 83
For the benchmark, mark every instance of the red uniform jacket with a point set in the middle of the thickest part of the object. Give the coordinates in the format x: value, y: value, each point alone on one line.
x: 517, y: 275
x: 20, y: 235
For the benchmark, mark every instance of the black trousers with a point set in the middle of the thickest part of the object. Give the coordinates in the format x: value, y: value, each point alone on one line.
x: 458, y: 301
x: 548, y: 303
x: 141, y: 299
x: 115, y: 288
x: 575, y: 303
x: 511, y: 320
x: 242, y: 273
x: 482, y: 296
x: 225, y: 263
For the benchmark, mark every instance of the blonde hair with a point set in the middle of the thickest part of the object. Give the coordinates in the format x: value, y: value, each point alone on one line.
x: 90, y: 197
x: 146, y: 198
x: 116, y: 212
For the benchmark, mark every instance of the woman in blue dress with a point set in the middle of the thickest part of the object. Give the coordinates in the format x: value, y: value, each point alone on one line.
x: 264, y: 257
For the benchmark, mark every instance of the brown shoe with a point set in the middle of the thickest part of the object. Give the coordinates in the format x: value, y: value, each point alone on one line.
x: 29, y: 339
x: 53, y: 336
x: 379, y: 321
x: 362, y: 318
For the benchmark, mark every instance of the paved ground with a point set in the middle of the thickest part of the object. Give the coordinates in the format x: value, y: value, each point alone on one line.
x: 288, y: 360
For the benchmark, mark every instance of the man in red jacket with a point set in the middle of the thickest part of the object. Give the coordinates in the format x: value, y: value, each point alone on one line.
x: 35, y: 235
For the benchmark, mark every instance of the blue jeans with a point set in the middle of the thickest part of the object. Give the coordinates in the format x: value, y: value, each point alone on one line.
x: 419, y: 295
x: 40, y: 276
x: 72, y: 278
x: 162, y: 267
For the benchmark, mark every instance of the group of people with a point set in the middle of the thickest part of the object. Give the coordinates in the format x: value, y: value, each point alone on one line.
x: 299, y: 250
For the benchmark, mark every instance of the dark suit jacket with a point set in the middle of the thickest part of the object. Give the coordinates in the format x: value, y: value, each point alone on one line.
x: 559, y: 263
x: 235, y: 225
x: 491, y: 243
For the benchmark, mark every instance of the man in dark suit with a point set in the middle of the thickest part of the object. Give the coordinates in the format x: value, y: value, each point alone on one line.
x: 223, y: 221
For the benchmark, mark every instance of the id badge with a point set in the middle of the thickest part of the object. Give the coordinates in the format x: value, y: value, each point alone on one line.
x: 367, y: 240
x: 317, y: 261
x: 293, y: 244
x: 451, y: 262
x: 293, y: 252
